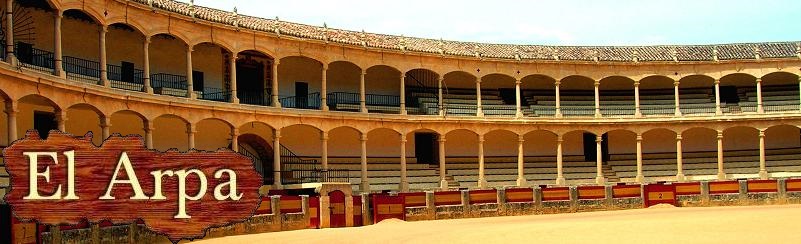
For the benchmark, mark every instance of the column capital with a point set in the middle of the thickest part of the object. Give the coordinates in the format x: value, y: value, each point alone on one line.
x: 104, y: 29
x: 325, y: 66
x: 678, y: 137
x: 559, y: 139
x: 717, y: 81
x: 11, y: 107
x: 148, y: 39
x: 599, y: 138
x: 276, y: 133
x: 518, y: 81
x: 441, y: 139
x: 364, y: 72
x: 190, y: 48
x: 234, y: 131
x: 676, y: 83
x: 521, y: 138
x: 105, y: 121
x: 480, y: 138
x: 557, y: 83
x: 720, y: 134
x: 636, y: 84
x: 639, y: 137
x: 191, y: 128
x: 758, y: 80
x: 363, y: 137
x: 761, y: 133
x: 597, y: 83
x: 148, y: 126
x: 403, y: 138
x: 58, y: 14
x: 324, y: 135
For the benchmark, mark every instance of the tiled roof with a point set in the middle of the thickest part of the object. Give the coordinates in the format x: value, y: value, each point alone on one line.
x: 485, y: 50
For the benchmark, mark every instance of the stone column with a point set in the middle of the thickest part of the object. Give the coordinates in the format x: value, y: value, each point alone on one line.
x: 760, y: 109
x: 61, y: 120
x: 58, y: 56
x: 679, y: 162
x: 443, y: 183
x: 324, y: 153
x: 403, y: 93
x: 676, y: 96
x: 105, y: 124
x: 324, y: 89
x: 190, y: 135
x: 599, y: 177
x: 103, y: 57
x: 558, y: 113
x: 640, y: 178
x: 479, y: 109
x: 190, y: 86
x: 10, y: 29
x: 521, y: 174
x: 146, y: 66
x: 404, y: 182
x: 482, y: 182
x: 597, y: 100
x: 276, y: 102
x: 560, y: 178
x: 277, y: 159
x: 234, y: 86
x: 234, y: 139
x: 721, y: 173
x: 362, y: 93
x: 440, y: 101
x: 518, y: 100
x: 364, y: 186
x: 148, y: 133
x: 763, y: 172
x: 718, y: 111
x: 11, y: 114
x: 637, y: 112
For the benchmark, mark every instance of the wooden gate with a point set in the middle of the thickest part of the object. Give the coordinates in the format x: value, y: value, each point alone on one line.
x: 388, y: 207
x: 357, y: 211
x: 659, y: 193
x: 337, y: 208
x: 314, y: 212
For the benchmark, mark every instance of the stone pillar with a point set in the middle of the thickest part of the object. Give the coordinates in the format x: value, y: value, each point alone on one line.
x: 404, y: 182
x: 443, y: 183
x: 61, y: 120
x: 760, y: 109
x: 234, y: 139
x: 479, y: 109
x: 324, y: 151
x: 190, y: 135
x: 521, y: 174
x: 324, y: 89
x: 482, y: 182
x: 234, y: 87
x: 364, y: 186
x: 105, y: 124
x: 58, y: 56
x: 146, y: 66
x: 518, y: 100
x: 362, y: 93
x: 103, y: 57
x: 348, y: 211
x: 679, y: 162
x: 599, y: 177
x: 148, y: 133
x: 10, y: 58
x: 11, y: 114
x: 558, y: 113
x: 640, y: 178
x: 597, y: 100
x: 55, y: 233
x: 676, y: 96
x: 190, y: 86
x: 560, y: 178
x: 440, y: 101
x: 637, y: 112
x: 721, y: 173
x: 277, y: 160
x: 402, y: 93
x: 718, y: 111
x: 274, y: 90
x: 763, y: 172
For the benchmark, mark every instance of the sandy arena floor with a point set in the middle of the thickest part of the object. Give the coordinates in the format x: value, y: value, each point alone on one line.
x: 752, y: 224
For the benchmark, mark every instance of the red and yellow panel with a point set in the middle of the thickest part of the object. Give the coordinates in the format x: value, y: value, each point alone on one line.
x: 556, y: 194
x: 483, y: 196
x: 265, y: 207
x: 591, y: 192
x: 443, y: 198
x: 414, y: 199
x: 758, y: 186
x: 291, y: 204
x: 724, y: 187
x: 793, y: 185
x: 688, y: 188
x: 660, y: 194
x: 519, y: 195
x: 625, y: 191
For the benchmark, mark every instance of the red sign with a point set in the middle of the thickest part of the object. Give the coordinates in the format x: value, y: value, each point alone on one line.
x: 659, y: 193
x: 66, y: 179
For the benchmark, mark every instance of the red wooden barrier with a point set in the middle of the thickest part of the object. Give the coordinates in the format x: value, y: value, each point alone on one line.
x: 519, y: 195
x: 388, y: 207
x: 625, y: 191
x: 555, y: 194
x: 687, y: 188
x: 413, y: 199
x: 591, y: 192
x: 658, y: 194
x: 793, y: 185
x: 483, y: 196
x: 265, y: 207
x: 724, y: 187
x: 357, y: 211
x: 291, y: 204
x: 314, y: 212
x: 443, y: 198
x: 757, y: 186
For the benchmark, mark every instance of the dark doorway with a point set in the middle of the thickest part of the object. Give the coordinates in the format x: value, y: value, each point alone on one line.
x: 5, y: 223
x: 43, y: 122
x: 250, y: 81
x: 590, y: 154
x: 127, y: 72
x: 509, y: 96
x: 337, y: 208
x: 197, y: 80
x: 301, y: 94
x: 426, y: 148
x: 24, y: 52
x: 728, y: 94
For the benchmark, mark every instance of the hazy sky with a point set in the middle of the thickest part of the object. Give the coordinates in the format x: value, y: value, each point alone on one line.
x: 565, y: 22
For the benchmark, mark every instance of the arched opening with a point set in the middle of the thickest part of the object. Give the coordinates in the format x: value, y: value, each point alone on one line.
x: 168, y: 65
x: 300, y: 81
x: 622, y: 146
x: 539, y: 149
x: 735, y: 88
x: 498, y: 95
x: 33, y: 34
x: 170, y: 132
x: 300, y: 154
x: 342, y: 80
x: 124, y: 45
x: 657, y: 96
x: 211, y: 72
x: 779, y: 93
x: 696, y: 95
x: 212, y: 134
x: 459, y: 94
x: 461, y: 157
x: 127, y: 122
x: 500, y: 157
x: 699, y: 152
x: 81, y: 45
x: 38, y: 113
x: 579, y: 155
x: 4, y: 103
x: 254, y: 77
x: 84, y: 118
x: 577, y: 96
x: 261, y: 152
x: 616, y: 95
x: 740, y: 150
x: 538, y: 94
x: 422, y: 152
x: 382, y: 85
x: 422, y: 91
x: 782, y: 148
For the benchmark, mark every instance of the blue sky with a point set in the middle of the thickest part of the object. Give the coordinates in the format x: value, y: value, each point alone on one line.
x: 567, y: 22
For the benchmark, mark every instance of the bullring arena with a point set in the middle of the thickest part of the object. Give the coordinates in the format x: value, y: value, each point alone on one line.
x: 351, y: 128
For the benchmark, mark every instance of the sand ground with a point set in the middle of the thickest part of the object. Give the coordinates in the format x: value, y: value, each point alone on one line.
x: 750, y: 224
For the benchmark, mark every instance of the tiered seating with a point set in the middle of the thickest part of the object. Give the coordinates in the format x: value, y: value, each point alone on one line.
x: 384, y: 173
x: 502, y: 171
x: 774, y: 98
x: 621, y: 103
x: 703, y: 165
x: 462, y: 102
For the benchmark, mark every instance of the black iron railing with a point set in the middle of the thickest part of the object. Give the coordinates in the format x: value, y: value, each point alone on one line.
x: 34, y: 58
x: 120, y: 81
x: 335, y: 98
x: 82, y: 69
x: 254, y: 97
x: 310, y: 101
x: 215, y: 94
x: 258, y: 163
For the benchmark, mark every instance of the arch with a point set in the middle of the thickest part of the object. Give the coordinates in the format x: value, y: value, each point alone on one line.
x: 540, y: 143
x: 659, y: 140
x: 382, y: 66
x: 384, y: 143
x: 696, y: 81
x: 458, y: 79
x: 167, y: 56
x: 421, y: 76
x: 83, y: 118
x: 256, y: 52
x: 622, y: 141
x: 576, y: 82
x: 37, y: 99
x: 699, y: 139
x: 343, y: 76
x: 782, y: 136
x: 292, y: 69
x: 127, y: 122
x: 227, y: 49
x: 538, y: 81
x: 84, y: 14
x: 169, y: 34
x: 461, y: 143
x: 738, y: 79
x: 206, y: 57
x: 740, y: 138
x: 616, y: 82
x: 135, y: 26
x: 261, y: 152
x: 656, y: 82
x: 170, y: 132
x: 780, y: 78
x: 303, y: 140
x: 497, y: 80
x: 212, y: 134
x: 500, y: 142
